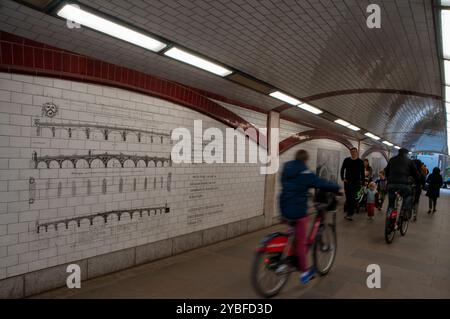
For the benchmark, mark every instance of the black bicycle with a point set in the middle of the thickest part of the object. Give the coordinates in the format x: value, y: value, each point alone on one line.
x: 395, y: 220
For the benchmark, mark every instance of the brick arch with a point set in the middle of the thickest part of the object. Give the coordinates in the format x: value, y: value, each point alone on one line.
x: 310, y: 135
x: 24, y: 56
x: 375, y: 149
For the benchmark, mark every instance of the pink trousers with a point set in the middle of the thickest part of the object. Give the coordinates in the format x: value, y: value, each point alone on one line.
x: 301, y: 243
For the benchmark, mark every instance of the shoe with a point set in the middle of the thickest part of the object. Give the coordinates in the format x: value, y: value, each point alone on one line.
x: 348, y: 218
x: 429, y: 212
x: 434, y: 211
x: 307, y: 276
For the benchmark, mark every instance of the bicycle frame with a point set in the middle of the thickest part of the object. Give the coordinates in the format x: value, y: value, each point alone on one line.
x: 395, y: 210
x: 289, y: 248
x: 283, y: 242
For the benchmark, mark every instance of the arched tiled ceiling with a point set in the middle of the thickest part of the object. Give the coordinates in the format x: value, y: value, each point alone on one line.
x: 302, y: 47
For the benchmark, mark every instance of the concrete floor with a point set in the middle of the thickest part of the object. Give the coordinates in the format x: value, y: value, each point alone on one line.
x: 415, y: 266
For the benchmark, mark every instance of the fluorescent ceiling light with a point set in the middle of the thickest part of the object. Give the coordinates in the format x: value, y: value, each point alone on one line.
x: 447, y: 72
x: 353, y: 127
x: 347, y: 124
x: 196, y: 61
x: 285, y: 98
x: 74, y: 13
x: 373, y: 136
x: 397, y: 147
x: 388, y: 143
x: 310, y: 108
x: 342, y: 122
x: 445, y: 23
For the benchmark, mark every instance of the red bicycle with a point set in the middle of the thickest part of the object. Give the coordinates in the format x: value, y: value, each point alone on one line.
x: 275, y: 257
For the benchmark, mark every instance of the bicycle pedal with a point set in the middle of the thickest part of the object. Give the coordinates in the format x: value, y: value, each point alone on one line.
x: 282, y: 269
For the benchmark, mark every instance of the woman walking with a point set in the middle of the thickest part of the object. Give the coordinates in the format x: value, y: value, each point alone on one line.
x: 434, y: 182
x: 368, y: 172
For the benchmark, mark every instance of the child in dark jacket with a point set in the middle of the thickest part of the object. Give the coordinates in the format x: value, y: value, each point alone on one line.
x: 381, y: 188
x: 296, y: 180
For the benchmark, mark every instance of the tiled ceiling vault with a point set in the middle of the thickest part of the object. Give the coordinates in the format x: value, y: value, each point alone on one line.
x: 302, y: 47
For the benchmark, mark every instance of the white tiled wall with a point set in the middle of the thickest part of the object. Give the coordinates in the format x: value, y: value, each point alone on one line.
x: 376, y: 160
x: 288, y: 128
x: 30, y: 196
x: 259, y: 120
x: 312, y: 148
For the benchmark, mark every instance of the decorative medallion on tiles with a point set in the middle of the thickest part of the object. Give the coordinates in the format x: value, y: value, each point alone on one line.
x: 49, y: 109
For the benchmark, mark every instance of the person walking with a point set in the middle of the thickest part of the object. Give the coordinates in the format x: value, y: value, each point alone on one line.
x: 434, y: 182
x: 352, y: 174
x: 381, y: 183
x: 371, y: 193
x: 368, y: 172
x: 418, y: 187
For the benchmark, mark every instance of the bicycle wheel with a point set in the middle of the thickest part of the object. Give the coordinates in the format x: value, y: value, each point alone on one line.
x: 265, y: 279
x: 389, y: 230
x: 404, y: 222
x: 325, y: 247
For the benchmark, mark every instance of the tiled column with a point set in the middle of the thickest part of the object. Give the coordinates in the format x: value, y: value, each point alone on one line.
x: 273, y: 121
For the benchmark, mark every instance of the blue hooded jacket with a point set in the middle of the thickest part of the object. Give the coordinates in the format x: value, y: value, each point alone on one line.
x: 296, y: 180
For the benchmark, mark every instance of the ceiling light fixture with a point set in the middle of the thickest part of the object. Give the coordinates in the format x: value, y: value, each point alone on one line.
x: 397, y: 147
x: 347, y: 125
x: 372, y: 136
x: 189, y: 58
x: 353, y: 128
x: 342, y: 122
x: 447, y: 72
x: 388, y: 143
x: 85, y: 18
x: 310, y: 108
x: 285, y: 98
x: 445, y: 24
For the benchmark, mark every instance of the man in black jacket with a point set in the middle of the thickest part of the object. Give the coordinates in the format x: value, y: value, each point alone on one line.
x: 400, y: 171
x: 352, y: 173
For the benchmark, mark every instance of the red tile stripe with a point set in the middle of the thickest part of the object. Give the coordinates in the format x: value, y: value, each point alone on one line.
x: 310, y: 135
x: 21, y: 55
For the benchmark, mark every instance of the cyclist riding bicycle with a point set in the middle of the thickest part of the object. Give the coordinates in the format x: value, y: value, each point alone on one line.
x: 399, y: 172
x: 296, y: 180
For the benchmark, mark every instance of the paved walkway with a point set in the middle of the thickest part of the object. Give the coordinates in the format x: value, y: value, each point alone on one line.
x: 415, y: 266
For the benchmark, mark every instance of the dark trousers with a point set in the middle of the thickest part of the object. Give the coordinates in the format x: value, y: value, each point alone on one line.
x: 380, y: 196
x: 406, y: 193
x: 351, y: 188
x: 432, y: 201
